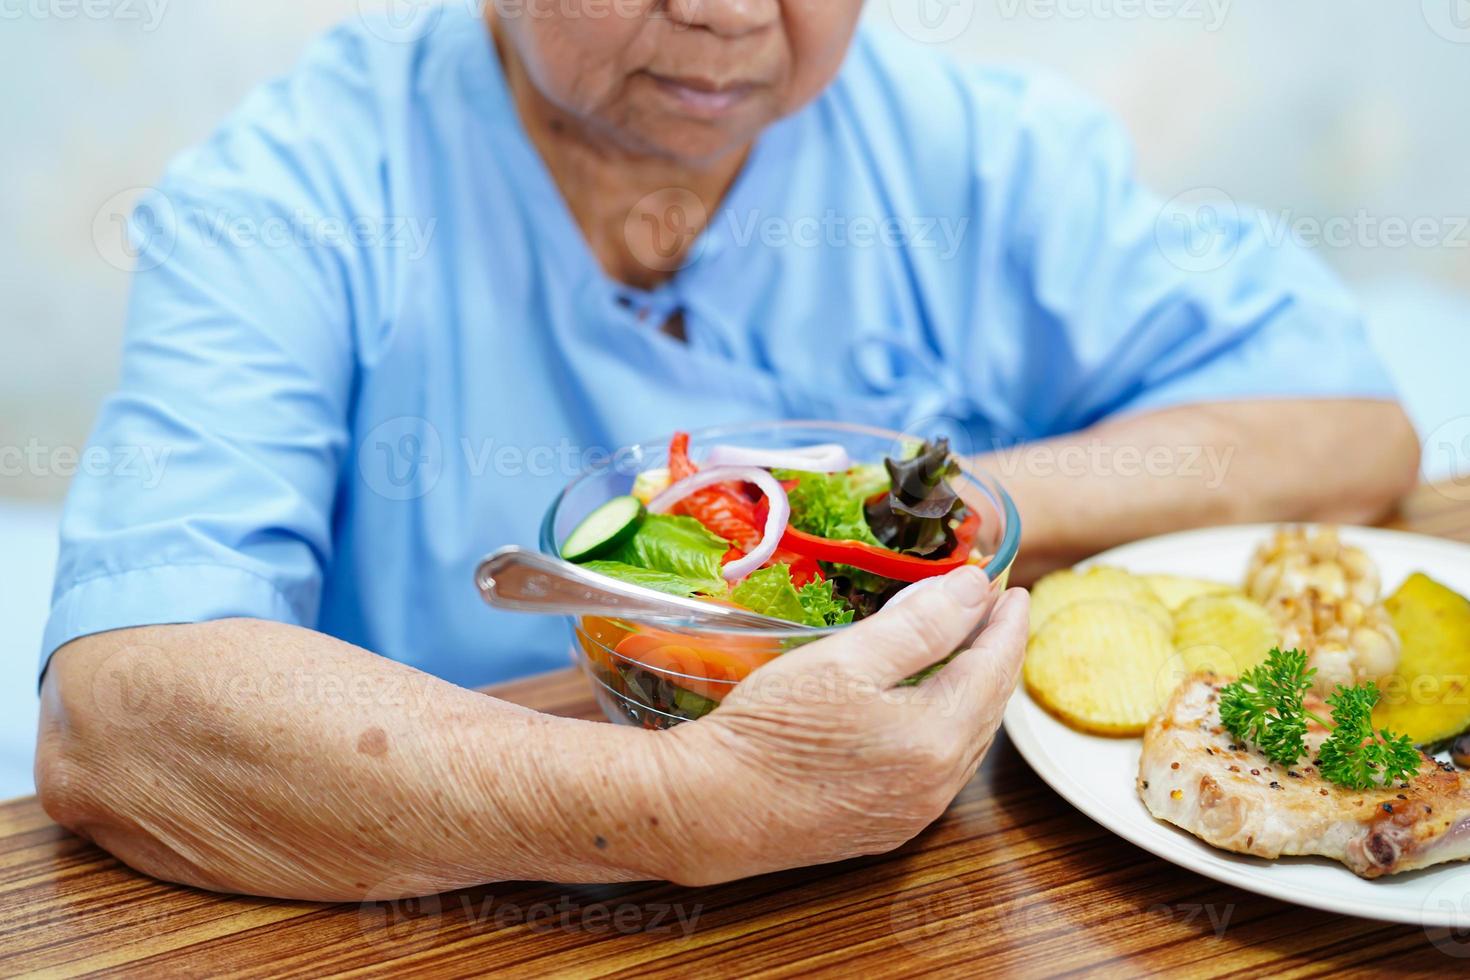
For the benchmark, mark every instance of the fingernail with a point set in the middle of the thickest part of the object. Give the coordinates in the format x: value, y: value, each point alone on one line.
x: 968, y: 586
x: 1007, y: 599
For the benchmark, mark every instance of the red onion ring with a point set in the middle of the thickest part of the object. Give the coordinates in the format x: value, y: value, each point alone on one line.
x: 826, y: 458
x: 776, y: 520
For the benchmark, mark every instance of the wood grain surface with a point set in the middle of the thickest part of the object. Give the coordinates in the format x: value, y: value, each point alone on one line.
x: 1011, y: 881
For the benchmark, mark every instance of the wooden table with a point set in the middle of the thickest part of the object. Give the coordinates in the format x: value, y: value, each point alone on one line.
x: 1011, y: 881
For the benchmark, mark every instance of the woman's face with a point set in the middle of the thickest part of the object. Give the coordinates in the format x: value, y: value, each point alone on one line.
x: 690, y: 80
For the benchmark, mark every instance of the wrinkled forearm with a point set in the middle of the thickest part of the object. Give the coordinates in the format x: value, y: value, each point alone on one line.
x: 253, y: 757
x: 1203, y: 465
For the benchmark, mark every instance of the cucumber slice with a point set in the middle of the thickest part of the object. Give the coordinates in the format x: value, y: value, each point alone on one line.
x: 604, y: 529
x: 692, y: 706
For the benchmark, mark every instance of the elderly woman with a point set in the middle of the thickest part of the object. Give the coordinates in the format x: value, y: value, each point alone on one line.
x: 402, y: 294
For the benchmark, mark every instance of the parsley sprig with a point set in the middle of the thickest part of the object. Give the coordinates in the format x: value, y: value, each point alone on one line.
x: 1355, y: 755
x: 1267, y: 707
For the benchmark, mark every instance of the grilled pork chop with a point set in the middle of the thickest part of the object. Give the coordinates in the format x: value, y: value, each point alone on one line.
x: 1195, y: 775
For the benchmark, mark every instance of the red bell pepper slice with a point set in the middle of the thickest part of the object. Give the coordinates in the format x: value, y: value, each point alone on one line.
x: 722, y: 509
x: 882, y: 561
x: 729, y: 513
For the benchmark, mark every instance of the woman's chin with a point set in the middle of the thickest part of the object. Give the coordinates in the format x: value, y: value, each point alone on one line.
x: 691, y: 143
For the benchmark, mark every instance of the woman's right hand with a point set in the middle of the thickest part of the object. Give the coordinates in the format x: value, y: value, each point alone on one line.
x: 417, y: 786
x: 818, y: 756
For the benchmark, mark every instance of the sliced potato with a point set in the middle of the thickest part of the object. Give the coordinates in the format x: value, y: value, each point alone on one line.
x: 1062, y: 589
x: 1096, y: 665
x: 1175, y: 590
x: 1224, y: 634
x: 1428, y: 697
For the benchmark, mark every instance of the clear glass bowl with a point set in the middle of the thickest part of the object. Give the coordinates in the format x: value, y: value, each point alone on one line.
x: 657, y: 676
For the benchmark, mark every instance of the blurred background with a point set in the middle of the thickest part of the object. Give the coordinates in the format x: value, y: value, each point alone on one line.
x: 1344, y: 120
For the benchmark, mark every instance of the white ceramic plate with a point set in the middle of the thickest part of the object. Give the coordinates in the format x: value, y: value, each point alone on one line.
x: 1096, y: 774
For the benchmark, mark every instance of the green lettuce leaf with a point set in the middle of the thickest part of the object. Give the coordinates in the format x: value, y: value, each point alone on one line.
x: 650, y: 578
x: 771, y: 591
x: 677, y: 545
x: 822, y: 606
x: 830, y: 505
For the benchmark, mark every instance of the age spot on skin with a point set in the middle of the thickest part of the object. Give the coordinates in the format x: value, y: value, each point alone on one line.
x: 373, y: 742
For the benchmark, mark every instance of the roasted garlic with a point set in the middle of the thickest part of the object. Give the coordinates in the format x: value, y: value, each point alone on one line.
x: 1325, y: 597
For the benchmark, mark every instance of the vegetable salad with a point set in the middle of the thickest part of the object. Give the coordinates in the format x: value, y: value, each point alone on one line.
x: 808, y: 536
